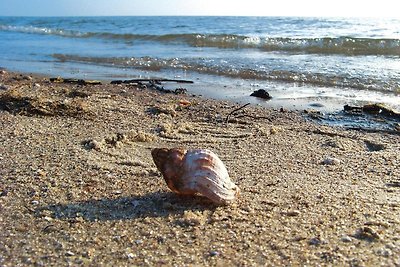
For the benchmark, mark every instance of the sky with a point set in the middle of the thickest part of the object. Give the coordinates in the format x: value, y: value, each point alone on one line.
x: 315, y: 8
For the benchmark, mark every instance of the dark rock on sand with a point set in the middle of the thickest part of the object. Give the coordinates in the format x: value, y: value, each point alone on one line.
x: 261, y: 93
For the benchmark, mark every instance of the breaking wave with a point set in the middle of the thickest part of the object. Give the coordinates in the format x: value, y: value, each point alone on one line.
x: 43, y: 30
x: 323, y: 45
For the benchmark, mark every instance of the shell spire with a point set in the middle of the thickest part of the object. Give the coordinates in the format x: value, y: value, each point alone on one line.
x: 195, y: 171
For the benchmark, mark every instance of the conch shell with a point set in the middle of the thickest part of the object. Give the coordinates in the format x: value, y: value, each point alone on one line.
x: 195, y: 171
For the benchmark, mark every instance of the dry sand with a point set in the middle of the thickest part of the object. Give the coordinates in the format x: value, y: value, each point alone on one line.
x: 78, y: 185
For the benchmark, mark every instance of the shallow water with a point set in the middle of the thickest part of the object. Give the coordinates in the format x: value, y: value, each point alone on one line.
x: 318, y: 63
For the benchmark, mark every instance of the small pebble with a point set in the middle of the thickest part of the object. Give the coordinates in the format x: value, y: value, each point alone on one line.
x: 346, y: 239
x: 69, y: 254
x: 135, y: 203
x: 130, y: 256
x: 49, y: 228
x: 331, y: 161
x: 93, y: 144
x: 366, y: 233
x: 384, y: 252
x: 292, y: 213
x: 47, y: 218
x: 35, y: 202
x: 214, y: 253
x: 161, y: 239
x: 316, y: 241
x: 317, y: 105
x: 138, y: 242
x: 4, y: 193
x: 41, y: 173
x: 79, y: 219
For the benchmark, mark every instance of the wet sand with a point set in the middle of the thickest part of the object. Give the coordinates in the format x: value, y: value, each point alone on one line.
x: 79, y: 187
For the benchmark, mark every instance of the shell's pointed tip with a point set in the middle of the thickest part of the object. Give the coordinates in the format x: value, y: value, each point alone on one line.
x: 156, y: 151
x: 159, y: 155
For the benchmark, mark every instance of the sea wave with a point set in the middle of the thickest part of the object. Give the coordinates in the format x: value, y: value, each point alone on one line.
x: 209, y: 67
x: 323, y: 45
x: 42, y: 30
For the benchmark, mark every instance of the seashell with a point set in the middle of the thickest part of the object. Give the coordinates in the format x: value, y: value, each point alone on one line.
x: 195, y: 171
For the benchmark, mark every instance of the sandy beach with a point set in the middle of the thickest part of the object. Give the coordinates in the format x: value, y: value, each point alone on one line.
x: 78, y: 186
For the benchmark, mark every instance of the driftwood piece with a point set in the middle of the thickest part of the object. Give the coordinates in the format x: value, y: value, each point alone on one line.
x: 76, y: 81
x: 156, y: 81
x: 234, y: 111
x: 234, y: 114
x: 373, y: 109
x: 157, y: 86
x: 389, y: 115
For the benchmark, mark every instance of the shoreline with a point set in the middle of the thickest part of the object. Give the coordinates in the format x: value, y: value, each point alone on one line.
x: 310, y: 194
x: 325, y: 111
x: 324, y: 100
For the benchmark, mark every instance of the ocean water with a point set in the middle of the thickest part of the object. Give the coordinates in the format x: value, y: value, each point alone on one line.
x: 320, y: 63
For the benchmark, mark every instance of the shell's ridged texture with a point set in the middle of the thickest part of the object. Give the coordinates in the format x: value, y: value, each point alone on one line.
x: 195, y: 171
